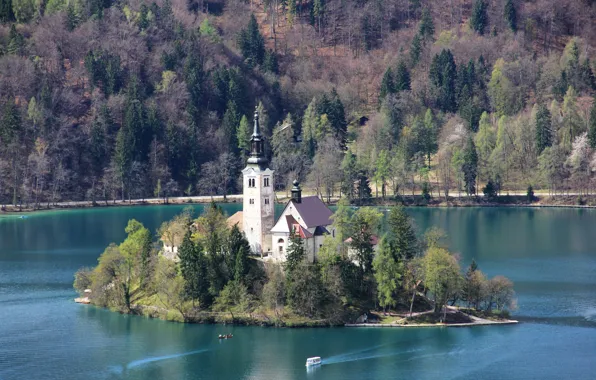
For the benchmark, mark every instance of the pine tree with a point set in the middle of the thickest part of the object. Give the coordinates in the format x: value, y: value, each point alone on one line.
x: 193, y: 268
x: 10, y: 124
x: 238, y: 252
x: 415, y: 50
x: 387, y: 85
x: 72, y: 18
x: 16, y: 41
x: 363, y: 188
x: 402, y: 78
x: 442, y: 75
x: 479, y: 18
x: 251, y: 43
x: 230, y: 123
x: 270, y: 62
x: 544, y: 135
x: 402, y: 235
x: 426, y: 27
x: 592, y: 127
x: 6, y: 14
x: 388, y: 273
x: 470, y: 166
x: 296, y: 254
x: 511, y: 15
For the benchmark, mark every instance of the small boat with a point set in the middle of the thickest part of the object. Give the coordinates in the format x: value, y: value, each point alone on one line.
x: 225, y: 336
x: 316, y: 360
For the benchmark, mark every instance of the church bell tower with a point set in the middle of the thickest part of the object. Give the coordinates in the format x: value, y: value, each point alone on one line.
x: 258, y: 195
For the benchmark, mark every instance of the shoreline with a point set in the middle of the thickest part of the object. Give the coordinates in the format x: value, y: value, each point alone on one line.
x: 466, y: 324
x: 155, y: 312
x: 516, y: 201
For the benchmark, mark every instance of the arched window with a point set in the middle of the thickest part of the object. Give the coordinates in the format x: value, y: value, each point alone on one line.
x: 280, y: 241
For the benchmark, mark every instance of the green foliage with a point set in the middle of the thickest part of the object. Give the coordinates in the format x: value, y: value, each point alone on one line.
x: 479, y: 18
x: 270, y: 62
x: 592, y: 126
x: 193, y: 268
x: 510, y: 15
x: 6, y: 13
x: 10, y: 124
x: 387, y: 85
x: 388, y: 273
x: 16, y: 41
x: 402, y: 78
x: 104, y: 70
x: 490, y: 190
x: 426, y: 27
x: 415, y: 50
x: 23, y: 10
x: 365, y: 224
x: 530, y: 194
x: 470, y: 166
x: 441, y: 275
x: 402, y: 235
x: 442, y: 76
x: 295, y: 255
x: 234, y: 298
x: 306, y: 295
x: 251, y: 43
x: 544, y: 134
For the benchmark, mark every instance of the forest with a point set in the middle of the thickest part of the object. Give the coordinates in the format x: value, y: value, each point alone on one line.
x: 215, y: 278
x: 130, y: 99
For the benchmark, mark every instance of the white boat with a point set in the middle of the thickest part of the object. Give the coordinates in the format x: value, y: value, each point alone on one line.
x: 316, y: 360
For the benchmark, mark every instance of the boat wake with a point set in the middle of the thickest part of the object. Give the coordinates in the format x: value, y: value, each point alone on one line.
x: 119, y: 370
x: 141, y: 362
x: 365, y: 354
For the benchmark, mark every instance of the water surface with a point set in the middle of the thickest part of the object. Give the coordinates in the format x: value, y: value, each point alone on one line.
x: 549, y: 254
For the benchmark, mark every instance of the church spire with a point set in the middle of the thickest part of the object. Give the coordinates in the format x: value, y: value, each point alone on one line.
x: 257, y: 151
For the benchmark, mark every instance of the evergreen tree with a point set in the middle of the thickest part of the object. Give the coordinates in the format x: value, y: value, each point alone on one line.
x: 544, y: 135
x: 479, y: 18
x: 388, y: 273
x: 194, y: 271
x: 72, y: 17
x: 349, y: 174
x: 426, y: 27
x: 6, y: 13
x: 415, y: 50
x: 470, y: 166
x: 270, y: 62
x: 511, y: 15
x: 238, y: 252
x: 251, y: 43
x: 592, y: 127
x: 443, y: 74
x: 296, y: 254
x: 16, y: 41
x: 587, y: 76
x: 402, y: 78
x: 23, y: 10
x: 10, y: 124
x: 387, y: 86
x: 230, y: 123
x: 363, y: 188
x: 402, y: 235
x: 194, y: 76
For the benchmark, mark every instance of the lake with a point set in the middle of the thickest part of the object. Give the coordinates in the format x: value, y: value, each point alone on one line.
x: 550, y: 254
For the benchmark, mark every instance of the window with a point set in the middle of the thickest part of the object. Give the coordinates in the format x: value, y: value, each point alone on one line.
x: 266, y: 201
x: 251, y: 201
x: 281, y: 249
x: 280, y: 241
x: 251, y: 182
x: 266, y: 182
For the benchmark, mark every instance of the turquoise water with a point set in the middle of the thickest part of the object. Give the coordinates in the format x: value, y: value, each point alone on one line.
x: 549, y: 254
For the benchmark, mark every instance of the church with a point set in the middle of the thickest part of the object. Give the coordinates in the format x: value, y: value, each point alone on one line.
x: 308, y: 217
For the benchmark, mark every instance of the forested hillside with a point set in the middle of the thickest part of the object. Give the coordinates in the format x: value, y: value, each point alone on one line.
x: 131, y: 99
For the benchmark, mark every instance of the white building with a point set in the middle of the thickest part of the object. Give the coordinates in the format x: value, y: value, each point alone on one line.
x: 309, y: 217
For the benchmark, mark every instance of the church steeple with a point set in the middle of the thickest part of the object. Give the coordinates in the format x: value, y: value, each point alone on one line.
x: 257, y: 148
